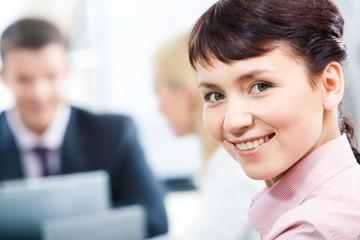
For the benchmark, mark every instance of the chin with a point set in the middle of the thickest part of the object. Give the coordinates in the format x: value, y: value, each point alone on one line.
x: 40, y: 123
x: 257, y: 176
x: 181, y: 131
x: 180, y: 134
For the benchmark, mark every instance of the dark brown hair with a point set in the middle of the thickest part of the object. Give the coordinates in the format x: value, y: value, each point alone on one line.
x: 233, y: 30
x: 30, y: 33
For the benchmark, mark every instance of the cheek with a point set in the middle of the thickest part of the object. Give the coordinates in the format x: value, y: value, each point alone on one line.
x: 293, y: 111
x: 167, y: 105
x: 174, y: 109
x: 300, y: 117
x: 58, y: 87
x: 22, y: 94
x: 164, y: 108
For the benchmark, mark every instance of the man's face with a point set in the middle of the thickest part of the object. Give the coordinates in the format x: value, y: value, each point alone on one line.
x: 37, y: 79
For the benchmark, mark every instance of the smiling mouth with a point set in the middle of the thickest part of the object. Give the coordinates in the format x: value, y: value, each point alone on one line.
x: 253, y: 144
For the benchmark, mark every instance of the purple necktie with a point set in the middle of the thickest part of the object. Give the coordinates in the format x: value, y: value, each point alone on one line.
x: 42, y: 154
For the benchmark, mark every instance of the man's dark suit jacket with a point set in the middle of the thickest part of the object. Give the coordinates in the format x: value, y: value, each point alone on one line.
x: 95, y: 142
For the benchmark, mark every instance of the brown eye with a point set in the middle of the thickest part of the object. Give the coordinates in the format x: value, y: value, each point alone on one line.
x: 215, y: 96
x: 260, y: 87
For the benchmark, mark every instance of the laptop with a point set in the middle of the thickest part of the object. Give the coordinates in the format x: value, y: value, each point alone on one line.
x: 26, y: 203
x: 123, y: 223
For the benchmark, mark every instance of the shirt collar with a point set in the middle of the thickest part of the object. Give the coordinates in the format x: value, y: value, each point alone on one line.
x: 52, y: 137
x: 293, y: 188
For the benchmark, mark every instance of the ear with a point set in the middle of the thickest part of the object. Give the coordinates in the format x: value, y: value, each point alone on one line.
x: 332, y: 85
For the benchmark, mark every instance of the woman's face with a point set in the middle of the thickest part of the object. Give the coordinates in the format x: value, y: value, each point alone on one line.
x: 263, y: 111
x: 177, y: 105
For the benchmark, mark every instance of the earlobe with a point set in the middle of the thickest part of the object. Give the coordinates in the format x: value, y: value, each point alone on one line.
x: 332, y: 85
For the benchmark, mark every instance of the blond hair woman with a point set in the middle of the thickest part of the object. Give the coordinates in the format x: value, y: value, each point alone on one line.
x: 225, y: 190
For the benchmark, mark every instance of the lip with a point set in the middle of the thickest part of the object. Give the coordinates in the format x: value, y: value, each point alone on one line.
x: 252, y: 138
x: 253, y: 151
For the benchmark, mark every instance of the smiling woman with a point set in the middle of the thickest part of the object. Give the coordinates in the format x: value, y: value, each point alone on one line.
x: 270, y: 73
x: 252, y: 90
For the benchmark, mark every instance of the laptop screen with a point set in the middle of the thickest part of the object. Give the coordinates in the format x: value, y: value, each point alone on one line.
x: 26, y: 203
x: 123, y: 223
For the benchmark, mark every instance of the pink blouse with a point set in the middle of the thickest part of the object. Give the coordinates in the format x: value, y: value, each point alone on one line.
x: 319, y: 198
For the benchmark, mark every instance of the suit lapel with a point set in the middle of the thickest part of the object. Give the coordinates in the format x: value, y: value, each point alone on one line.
x: 10, y: 162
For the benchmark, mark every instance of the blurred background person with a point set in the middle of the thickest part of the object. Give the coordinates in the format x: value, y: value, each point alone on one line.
x: 43, y: 135
x: 225, y: 191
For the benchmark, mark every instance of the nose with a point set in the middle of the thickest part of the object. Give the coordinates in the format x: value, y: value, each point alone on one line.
x: 41, y: 90
x: 238, y: 116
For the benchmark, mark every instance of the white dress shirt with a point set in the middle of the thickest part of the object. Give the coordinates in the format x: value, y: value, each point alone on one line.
x: 51, y: 139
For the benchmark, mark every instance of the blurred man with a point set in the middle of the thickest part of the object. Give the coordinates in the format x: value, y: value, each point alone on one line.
x: 44, y: 136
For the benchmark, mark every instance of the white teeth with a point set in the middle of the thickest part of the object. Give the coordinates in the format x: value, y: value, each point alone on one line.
x: 251, y: 145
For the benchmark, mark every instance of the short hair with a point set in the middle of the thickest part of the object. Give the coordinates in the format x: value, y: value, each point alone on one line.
x: 238, y: 29
x: 30, y: 33
x: 312, y: 30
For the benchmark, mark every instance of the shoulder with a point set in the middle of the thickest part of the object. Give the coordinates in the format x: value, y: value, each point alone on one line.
x: 327, y: 224
x: 2, y: 115
x: 85, y: 115
x: 99, y: 126
x: 331, y: 215
x: 3, y: 122
x: 105, y: 121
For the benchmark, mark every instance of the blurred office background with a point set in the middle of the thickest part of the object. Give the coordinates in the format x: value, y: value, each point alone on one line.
x: 112, y: 43
x: 111, y: 48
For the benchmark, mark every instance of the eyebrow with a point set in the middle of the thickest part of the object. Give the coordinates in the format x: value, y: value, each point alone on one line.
x: 244, y: 77
x: 207, y: 85
x: 252, y: 74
